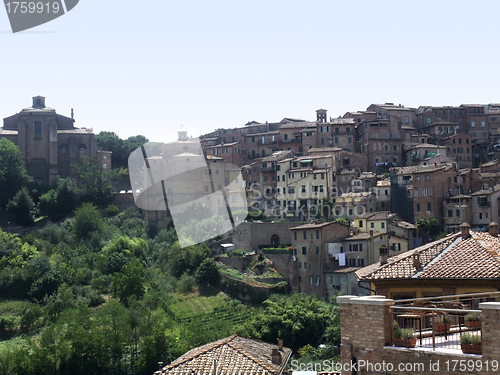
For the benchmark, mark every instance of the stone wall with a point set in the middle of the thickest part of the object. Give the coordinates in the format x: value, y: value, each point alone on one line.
x: 280, y: 262
x: 366, y: 325
x: 248, y: 236
x: 237, y: 263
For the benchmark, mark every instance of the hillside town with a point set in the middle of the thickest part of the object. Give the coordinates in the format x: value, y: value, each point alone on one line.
x: 389, y: 201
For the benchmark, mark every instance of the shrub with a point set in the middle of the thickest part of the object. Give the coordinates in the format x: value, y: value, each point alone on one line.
x: 472, y: 317
x: 22, y: 207
x: 238, y: 253
x: 469, y: 339
x: 112, y: 210
x: 407, y: 333
x: 208, y: 273
x: 186, y: 283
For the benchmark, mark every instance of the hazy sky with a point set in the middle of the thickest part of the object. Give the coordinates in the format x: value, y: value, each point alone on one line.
x: 150, y: 66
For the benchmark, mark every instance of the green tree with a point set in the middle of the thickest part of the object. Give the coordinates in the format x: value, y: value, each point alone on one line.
x: 129, y: 282
x: 22, y: 207
x: 186, y: 259
x: 12, y: 173
x: 428, y: 228
x: 96, y: 184
x: 61, y: 200
x: 207, y: 273
x: 109, y: 141
x: 299, y: 320
x: 87, y: 219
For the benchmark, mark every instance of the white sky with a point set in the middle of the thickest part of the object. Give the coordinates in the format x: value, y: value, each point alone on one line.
x: 147, y: 67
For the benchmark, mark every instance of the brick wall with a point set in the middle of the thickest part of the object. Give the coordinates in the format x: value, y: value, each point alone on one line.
x: 365, y: 324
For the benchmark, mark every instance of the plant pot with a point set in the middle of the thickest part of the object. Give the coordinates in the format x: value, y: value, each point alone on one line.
x: 471, y: 349
x: 405, y: 343
x: 474, y: 324
x: 440, y: 327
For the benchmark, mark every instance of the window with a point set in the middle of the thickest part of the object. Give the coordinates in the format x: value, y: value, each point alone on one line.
x: 450, y: 213
x: 304, y: 250
x: 395, y: 147
x: 426, y: 192
x: 372, y: 225
x: 305, y: 236
x: 429, y: 206
x: 317, y: 250
x: 382, y: 225
x: 386, y: 147
x: 483, y: 124
x: 417, y: 178
x: 361, y: 224
x: 407, y: 120
x: 303, y: 188
x: 311, y: 279
x: 457, y: 213
x: 317, y: 280
x: 300, y: 265
x: 429, y: 121
x: 37, y: 127
x: 415, y: 192
x: 317, y: 234
x: 418, y: 207
x: 473, y: 124
x: 427, y: 178
x: 295, y: 236
x: 480, y: 216
x: 336, y: 140
x: 350, y: 211
x: 349, y: 140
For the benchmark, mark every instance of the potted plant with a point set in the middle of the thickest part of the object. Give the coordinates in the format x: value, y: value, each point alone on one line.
x: 473, y: 320
x: 441, y: 323
x: 470, y: 344
x: 404, y: 337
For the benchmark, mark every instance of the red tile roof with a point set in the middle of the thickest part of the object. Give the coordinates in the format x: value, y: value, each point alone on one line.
x: 232, y: 355
x: 477, y: 257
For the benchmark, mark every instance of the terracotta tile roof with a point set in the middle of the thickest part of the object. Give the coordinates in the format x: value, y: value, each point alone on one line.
x: 315, y: 225
x: 323, y: 149
x: 404, y: 224
x: 477, y: 257
x: 233, y: 355
x: 384, y: 183
x: 489, y: 191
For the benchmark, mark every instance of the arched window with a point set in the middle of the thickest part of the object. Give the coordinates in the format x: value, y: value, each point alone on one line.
x: 82, y: 147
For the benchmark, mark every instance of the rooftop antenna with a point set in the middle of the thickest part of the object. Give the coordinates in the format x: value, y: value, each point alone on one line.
x: 72, y: 114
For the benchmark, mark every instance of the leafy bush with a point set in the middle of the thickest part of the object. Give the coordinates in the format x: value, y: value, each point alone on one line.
x: 112, y: 210
x: 22, y: 207
x: 186, y: 283
x: 239, y: 253
x: 469, y: 339
x: 208, y: 273
x: 87, y: 219
x: 473, y: 317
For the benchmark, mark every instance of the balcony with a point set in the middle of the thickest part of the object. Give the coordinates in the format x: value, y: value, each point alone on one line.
x: 483, y: 204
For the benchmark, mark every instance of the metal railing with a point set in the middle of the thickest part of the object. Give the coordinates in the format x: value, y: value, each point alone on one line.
x: 435, y: 328
x: 440, y: 323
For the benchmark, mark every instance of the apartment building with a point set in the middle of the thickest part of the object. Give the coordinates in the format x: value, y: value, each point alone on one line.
x: 457, y: 210
x: 460, y: 149
x: 485, y: 207
x: 302, y: 183
x: 310, y: 245
x: 425, y: 153
x: 350, y: 205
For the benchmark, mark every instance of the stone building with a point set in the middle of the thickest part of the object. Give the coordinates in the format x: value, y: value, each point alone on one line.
x: 50, y: 143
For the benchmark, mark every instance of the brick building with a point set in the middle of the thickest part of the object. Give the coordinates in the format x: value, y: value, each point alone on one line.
x: 310, y: 245
x: 50, y: 144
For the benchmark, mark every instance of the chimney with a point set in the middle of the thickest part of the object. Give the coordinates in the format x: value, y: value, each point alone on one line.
x: 72, y: 114
x: 276, y: 356
x: 371, y: 233
x: 465, y: 231
x: 480, y: 168
x: 493, y: 229
x: 280, y: 344
x: 169, y: 360
x: 416, y: 260
x: 383, y: 254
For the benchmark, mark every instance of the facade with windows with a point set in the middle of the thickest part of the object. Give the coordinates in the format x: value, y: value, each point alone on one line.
x: 310, y: 257
x: 50, y: 144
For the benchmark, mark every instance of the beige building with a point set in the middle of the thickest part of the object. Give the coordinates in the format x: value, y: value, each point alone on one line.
x: 50, y: 143
x: 302, y: 183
